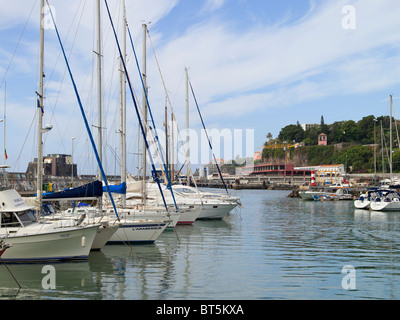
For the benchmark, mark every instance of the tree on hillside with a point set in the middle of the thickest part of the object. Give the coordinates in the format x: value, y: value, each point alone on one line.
x: 291, y: 133
x: 311, y: 136
x: 366, y: 126
x: 323, y: 127
x: 351, y: 132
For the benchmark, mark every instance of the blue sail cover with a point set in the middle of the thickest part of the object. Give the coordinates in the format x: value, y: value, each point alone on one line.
x: 121, y: 188
x: 90, y: 190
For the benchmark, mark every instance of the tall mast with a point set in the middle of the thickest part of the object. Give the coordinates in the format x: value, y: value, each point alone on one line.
x: 172, y: 149
x: 39, y: 180
x: 391, y: 155
x: 99, y: 89
x: 123, y: 105
x: 187, y: 129
x: 4, y: 122
x: 144, y: 72
x: 383, y: 156
x: 166, y: 138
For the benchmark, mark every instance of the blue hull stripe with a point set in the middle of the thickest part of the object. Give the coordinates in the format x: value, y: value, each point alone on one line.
x: 142, y: 225
x: 32, y: 260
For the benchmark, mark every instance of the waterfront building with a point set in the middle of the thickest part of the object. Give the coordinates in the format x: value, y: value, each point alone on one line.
x: 287, y: 171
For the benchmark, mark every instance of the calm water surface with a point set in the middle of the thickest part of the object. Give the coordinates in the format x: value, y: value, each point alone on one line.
x: 275, y: 247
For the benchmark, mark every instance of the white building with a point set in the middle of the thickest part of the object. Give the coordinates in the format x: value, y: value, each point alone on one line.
x: 306, y: 126
x: 327, y: 174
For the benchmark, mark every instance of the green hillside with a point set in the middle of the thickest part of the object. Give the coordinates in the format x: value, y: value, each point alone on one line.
x: 351, y: 143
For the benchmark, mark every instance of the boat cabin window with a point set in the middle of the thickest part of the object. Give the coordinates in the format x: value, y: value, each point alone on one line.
x: 16, y: 220
x: 27, y: 217
x: 8, y: 219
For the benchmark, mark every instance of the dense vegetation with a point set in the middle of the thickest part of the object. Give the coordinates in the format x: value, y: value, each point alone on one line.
x: 351, y: 143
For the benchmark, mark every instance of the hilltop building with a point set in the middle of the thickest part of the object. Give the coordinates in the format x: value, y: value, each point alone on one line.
x: 322, y: 139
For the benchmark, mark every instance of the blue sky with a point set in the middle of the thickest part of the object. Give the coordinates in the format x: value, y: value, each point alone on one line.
x: 253, y: 64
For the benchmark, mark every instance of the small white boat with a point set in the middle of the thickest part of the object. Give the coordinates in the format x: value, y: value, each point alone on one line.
x: 31, y: 240
x: 330, y: 193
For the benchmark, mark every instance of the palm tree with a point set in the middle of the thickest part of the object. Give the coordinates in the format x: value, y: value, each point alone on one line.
x: 269, y: 136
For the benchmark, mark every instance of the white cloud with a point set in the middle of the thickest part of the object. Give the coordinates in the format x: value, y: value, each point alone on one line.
x: 303, y: 57
x: 212, y: 5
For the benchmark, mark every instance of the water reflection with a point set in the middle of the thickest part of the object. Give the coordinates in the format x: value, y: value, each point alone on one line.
x: 73, y: 280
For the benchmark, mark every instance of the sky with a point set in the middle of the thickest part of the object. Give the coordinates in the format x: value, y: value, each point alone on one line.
x: 255, y: 66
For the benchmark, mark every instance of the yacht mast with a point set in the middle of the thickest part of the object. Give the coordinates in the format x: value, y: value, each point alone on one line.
x: 391, y: 155
x: 187, y: 129
x: 39, y: 182
x: 172, y: 149
x: 123, y: 105
x: 144, y: 72
x: 99, y: 89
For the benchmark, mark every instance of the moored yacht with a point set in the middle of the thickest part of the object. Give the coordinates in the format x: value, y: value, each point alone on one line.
x: 389, y: 200
x: 32, y: 240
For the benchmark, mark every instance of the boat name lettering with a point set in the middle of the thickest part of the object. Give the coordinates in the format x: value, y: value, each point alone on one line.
x: 66, y: 235
x: 146, y: 228
x: 18, y: 202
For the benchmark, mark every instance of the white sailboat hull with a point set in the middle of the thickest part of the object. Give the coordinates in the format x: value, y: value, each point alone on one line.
x: 172, y: 217
x: 66, y: 244
x: 104, y: 234
x: 362, y: 204
x: 134, y: 231
x: 385, y: 206
x: 216, y: 211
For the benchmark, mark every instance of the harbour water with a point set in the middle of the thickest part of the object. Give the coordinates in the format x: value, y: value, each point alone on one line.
x: 274, y: 248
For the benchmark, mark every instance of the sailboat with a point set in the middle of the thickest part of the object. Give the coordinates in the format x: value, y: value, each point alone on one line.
x: 389, y: 198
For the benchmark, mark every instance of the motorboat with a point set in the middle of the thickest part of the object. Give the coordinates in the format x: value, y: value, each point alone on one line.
x: 33, y: 240
x: 329, y: 193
